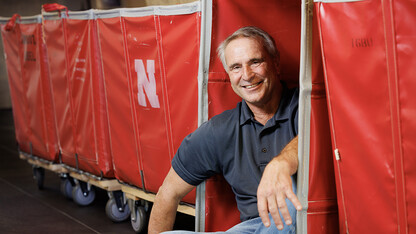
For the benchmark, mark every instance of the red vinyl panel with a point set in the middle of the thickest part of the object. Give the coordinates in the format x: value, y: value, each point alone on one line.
x: 152, y: 51
x: 11, y: 47
x: 221, y: 211
x: 322, y: 198
x: 33, y: 75
x: 181, y: 68
x: 124, y: 147
x: 31, y: 78
x: 102, y: 135
x: 78, y: 41
x: 157, y: 91
x: 144, y: 58
x: 78, y: 91
x: 405, y: 33
x: 48, y: 108
x: 84, y: 78
x: 30, y: 90
x: 55, y: 46
x: 367, y: 48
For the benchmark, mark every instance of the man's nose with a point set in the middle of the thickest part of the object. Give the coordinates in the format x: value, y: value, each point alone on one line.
x: 247, y: 72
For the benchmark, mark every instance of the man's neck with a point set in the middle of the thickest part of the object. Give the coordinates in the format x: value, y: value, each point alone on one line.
x: 262, y: 115
x: 265, y: 112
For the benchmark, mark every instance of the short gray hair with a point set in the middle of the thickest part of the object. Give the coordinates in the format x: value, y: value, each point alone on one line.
x: 250, y: 32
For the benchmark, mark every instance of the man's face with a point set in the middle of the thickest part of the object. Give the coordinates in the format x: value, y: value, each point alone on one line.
x: 252, y: 72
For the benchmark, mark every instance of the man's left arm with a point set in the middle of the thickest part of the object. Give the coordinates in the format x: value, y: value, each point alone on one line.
x: 276, y: 185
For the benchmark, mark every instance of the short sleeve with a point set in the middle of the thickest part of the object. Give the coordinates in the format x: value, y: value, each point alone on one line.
x: 196, y: 160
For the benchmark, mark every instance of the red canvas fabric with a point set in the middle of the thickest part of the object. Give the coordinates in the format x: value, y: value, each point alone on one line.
x: 152, y: 93
x: 367, y: 49
x: 30, y: 89
x: 11, y: 46
x: 55, y: 46
x: 78, y: 92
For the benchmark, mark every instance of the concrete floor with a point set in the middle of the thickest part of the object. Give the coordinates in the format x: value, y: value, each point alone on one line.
x: 26, y: 209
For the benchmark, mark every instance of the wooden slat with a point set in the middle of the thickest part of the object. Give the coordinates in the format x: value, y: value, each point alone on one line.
x: 138, y: 194
x: 106, y: 184
x: 58, y: 168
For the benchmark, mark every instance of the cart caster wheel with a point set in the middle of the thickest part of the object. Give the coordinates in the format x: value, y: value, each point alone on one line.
x: 114, y: 213
x: 39, y: 176
x: 83, y: 199
x: 139, y: 222
x: 66, y: 188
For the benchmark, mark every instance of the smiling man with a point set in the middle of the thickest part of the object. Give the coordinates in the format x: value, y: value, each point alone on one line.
x: 254, y: 146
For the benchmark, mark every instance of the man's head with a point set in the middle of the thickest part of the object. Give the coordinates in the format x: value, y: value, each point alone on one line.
x: 251, y: 60
x: 250, y: 32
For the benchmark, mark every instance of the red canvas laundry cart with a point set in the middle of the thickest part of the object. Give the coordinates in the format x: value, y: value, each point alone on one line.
x: 150, y: 66
x: 80, y: 109
x: 30, y: 91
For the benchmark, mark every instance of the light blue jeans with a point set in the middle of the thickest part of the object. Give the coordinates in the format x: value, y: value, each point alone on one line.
x: 256, y: 226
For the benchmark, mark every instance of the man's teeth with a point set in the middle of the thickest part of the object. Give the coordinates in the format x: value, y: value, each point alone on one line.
x: 253, y: 85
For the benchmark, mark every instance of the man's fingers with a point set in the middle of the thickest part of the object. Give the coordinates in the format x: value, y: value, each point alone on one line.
x: 263, y: 211
x: 284, y: 212
x: 274, y: 207
x: 274, y: 203
x: 294, y: 199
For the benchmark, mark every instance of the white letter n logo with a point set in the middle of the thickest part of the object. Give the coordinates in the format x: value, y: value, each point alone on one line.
x: 144, y: 84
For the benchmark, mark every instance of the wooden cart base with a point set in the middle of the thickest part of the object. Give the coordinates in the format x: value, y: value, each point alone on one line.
x: 35, y: 161
x: 138, y: 194
x: 80, y: 186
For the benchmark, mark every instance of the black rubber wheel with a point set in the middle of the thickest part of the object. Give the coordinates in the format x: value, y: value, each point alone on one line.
x: 139, y: 223
x: 114, y: 213
x: 66, y: 188
x: 39, y: 176
x: 83, y: 199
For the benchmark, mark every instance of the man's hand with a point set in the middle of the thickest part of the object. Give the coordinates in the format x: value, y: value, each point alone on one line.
x: 276, y: 185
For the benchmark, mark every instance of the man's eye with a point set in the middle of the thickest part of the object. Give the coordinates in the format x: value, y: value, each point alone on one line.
x: 235, y: 68
x: 256, y: 63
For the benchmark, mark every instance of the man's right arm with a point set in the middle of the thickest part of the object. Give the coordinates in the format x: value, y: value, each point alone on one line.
x: 163, y: 214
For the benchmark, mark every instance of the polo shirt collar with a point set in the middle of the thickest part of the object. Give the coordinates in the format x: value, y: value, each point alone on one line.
x: 281, y: 114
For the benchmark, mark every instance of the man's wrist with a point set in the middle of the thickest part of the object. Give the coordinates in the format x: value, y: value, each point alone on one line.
x: 285, y: 163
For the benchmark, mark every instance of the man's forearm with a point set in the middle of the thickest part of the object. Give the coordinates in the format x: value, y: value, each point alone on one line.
x: 166, y: 203
x: 289, y: 155
x: 163, y: 215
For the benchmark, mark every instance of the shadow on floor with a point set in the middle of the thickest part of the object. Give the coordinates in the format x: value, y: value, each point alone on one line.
x: 26, y: 209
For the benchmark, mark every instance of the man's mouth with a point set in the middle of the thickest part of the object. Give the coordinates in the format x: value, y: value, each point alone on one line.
x: 252, y: 86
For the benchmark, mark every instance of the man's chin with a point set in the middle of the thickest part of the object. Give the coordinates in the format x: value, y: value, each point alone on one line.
x: 253, y: 101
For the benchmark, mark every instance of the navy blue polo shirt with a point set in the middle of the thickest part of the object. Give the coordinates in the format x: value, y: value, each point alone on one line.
x: 234, y: 144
